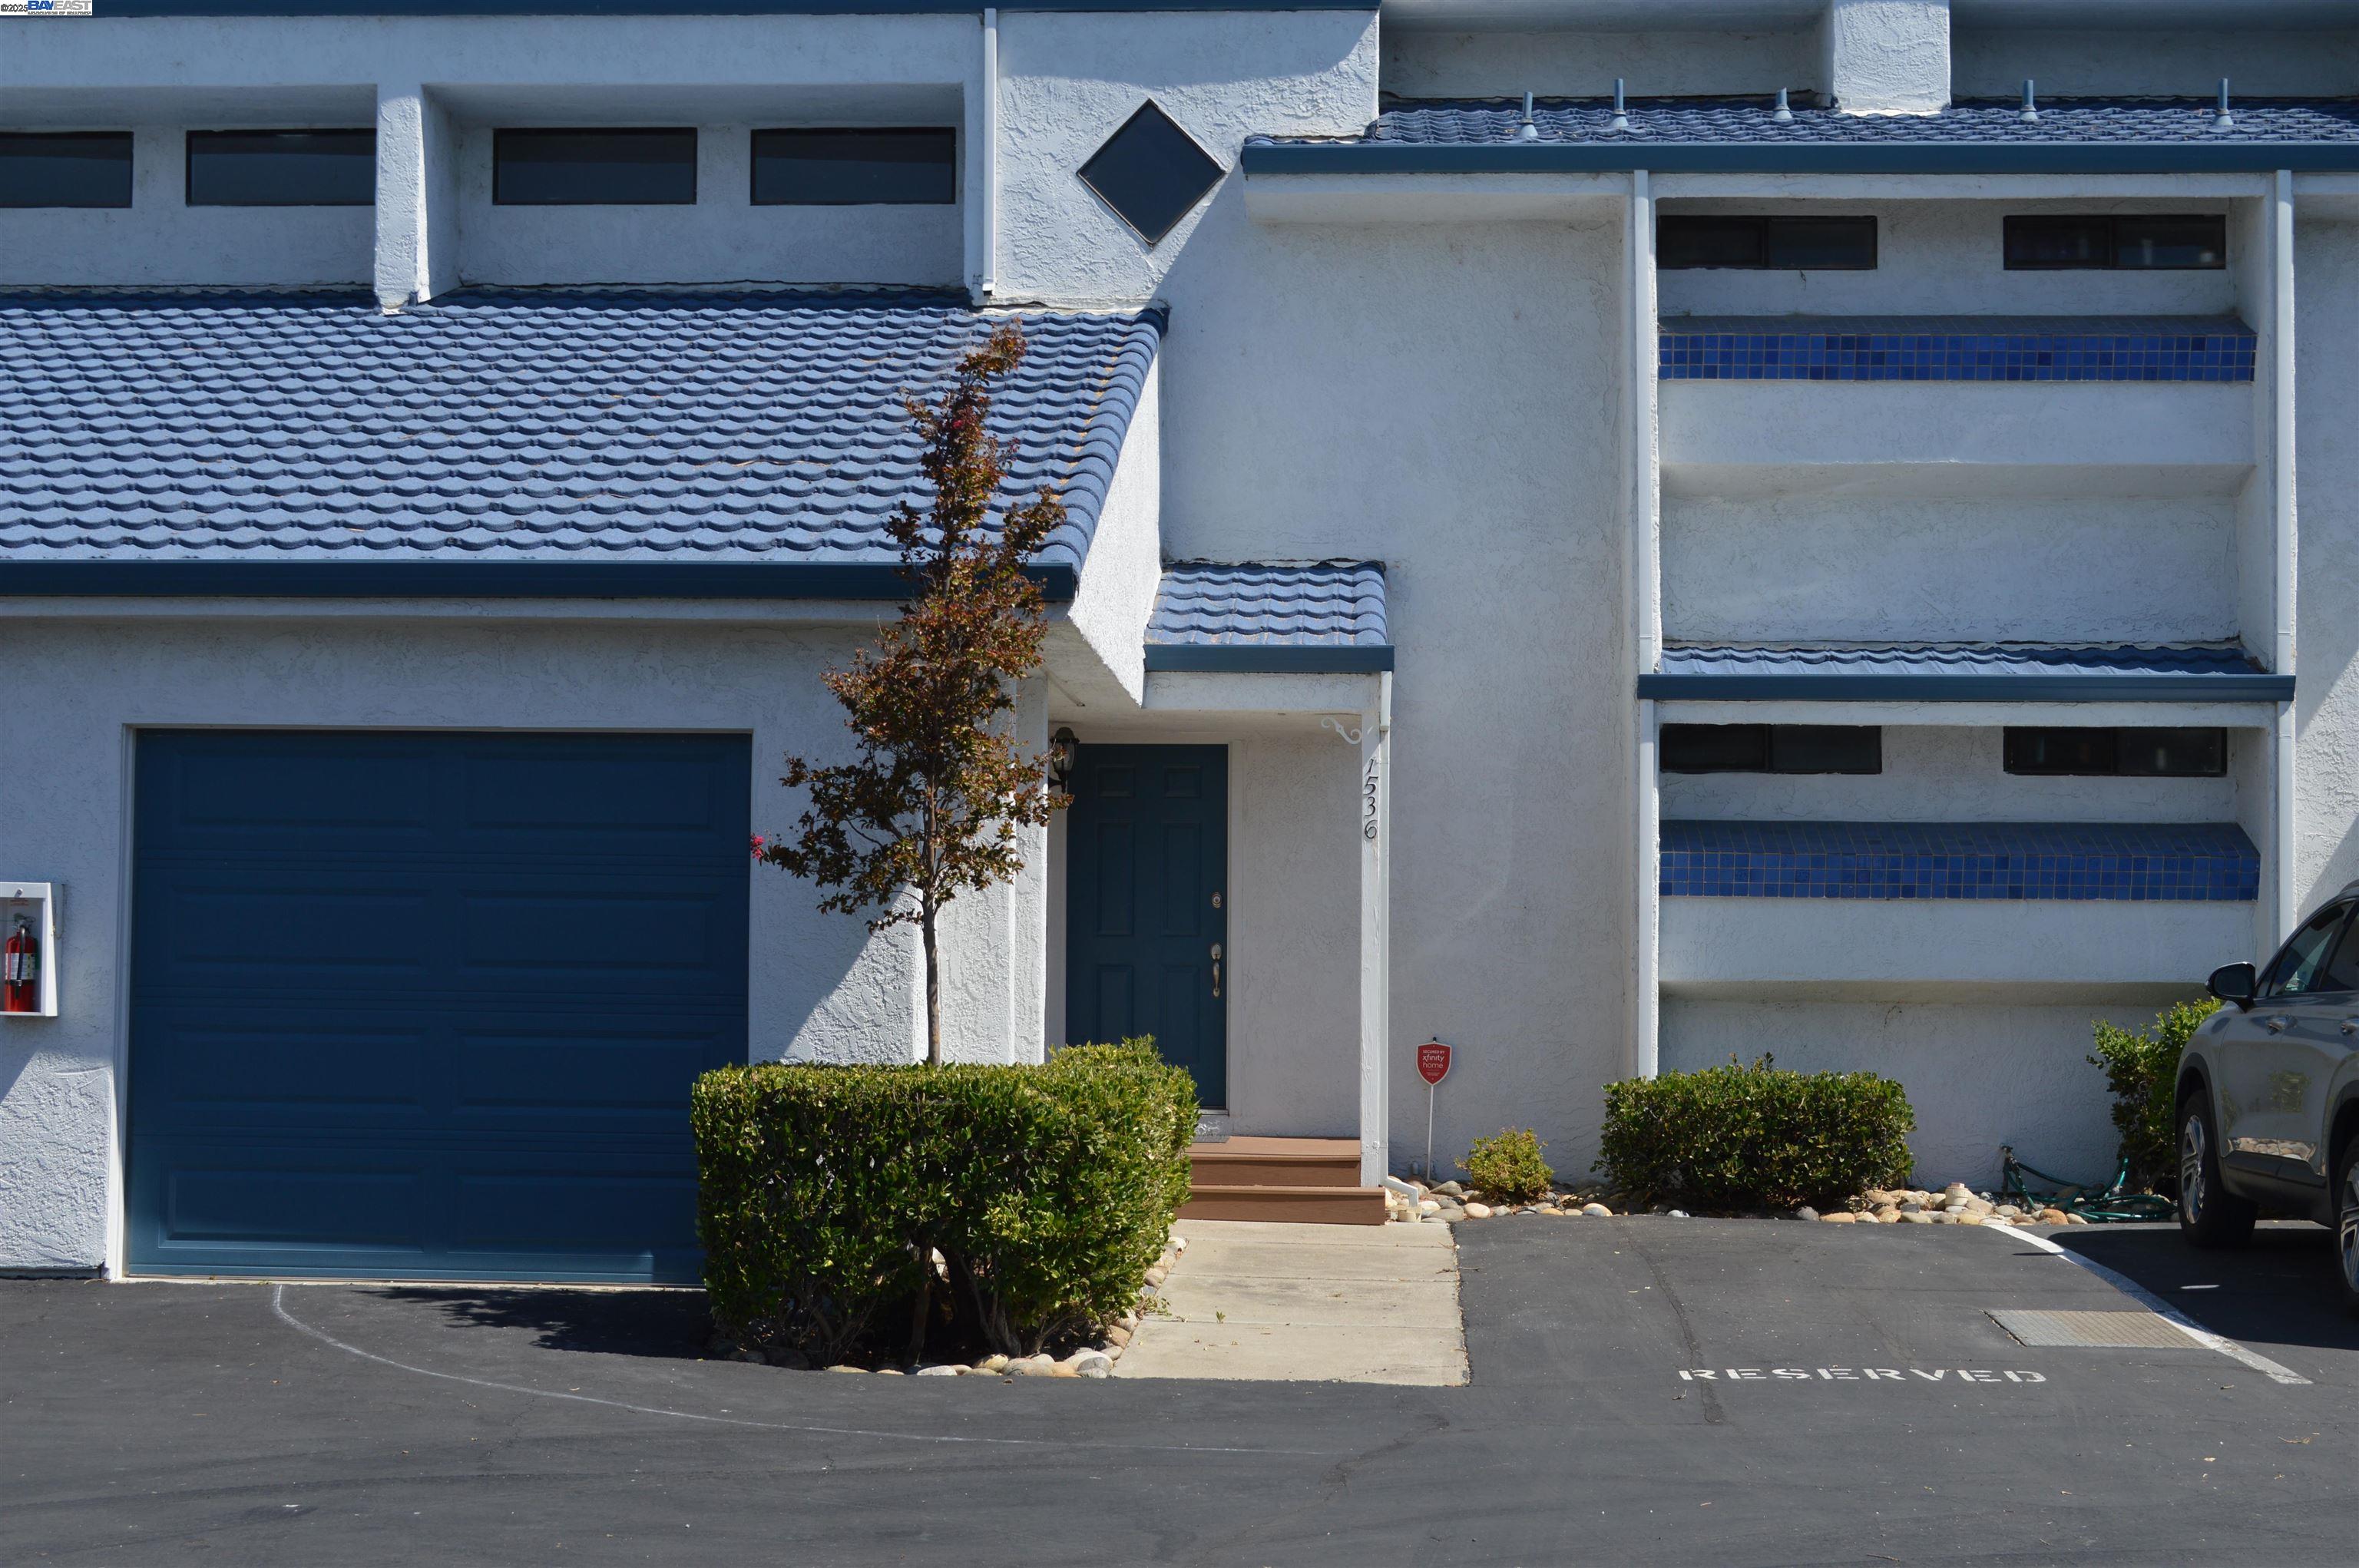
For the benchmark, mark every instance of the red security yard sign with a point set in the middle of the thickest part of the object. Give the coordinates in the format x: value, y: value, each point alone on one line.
x: 1433, y: 1066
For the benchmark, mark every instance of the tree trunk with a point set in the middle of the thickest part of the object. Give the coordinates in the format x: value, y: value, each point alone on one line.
x: 933, y: 985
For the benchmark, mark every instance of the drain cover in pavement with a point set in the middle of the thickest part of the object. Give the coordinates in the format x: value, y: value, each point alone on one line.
x: 2124, y: 1331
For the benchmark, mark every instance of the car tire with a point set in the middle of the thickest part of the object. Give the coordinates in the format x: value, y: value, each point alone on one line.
x: 2346, y: 1223
x: 2209, y: 1214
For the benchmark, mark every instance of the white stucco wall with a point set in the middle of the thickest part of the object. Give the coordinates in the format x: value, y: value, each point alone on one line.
x: 1953, y: 774
x: 1489, y: 494
x: 723, y: 236
x: 2189, y: 433
x: 1978, y: 1075
x: 1886, y: 57
x: 2259, y: 62
x: 1125, y: 563
x: 1913, y: 948
x: 2326, y: 260
x: 160, y: 239
x: 1294, y: 933
x: 819, y: 985
x: 1946, y: 259
x: 2030, y: 568
x: 1068, y: 81
x: 1504, y: 64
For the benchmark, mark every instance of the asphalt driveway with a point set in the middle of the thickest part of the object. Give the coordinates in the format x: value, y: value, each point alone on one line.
x: 320, y: 1424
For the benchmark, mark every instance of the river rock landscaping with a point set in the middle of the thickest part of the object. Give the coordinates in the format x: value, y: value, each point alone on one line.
x: 1409, y: 1202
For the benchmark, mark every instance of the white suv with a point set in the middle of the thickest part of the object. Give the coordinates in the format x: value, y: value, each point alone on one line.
x: 2268, y: 1093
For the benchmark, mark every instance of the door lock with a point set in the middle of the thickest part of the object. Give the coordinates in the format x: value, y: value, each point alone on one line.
x: 1216, y: 969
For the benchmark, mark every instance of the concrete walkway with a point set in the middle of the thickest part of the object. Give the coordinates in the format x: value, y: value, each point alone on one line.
x: 1307, y: 1304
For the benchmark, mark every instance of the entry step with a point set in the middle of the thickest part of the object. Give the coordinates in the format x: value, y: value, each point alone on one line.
x: 1303, y: 1179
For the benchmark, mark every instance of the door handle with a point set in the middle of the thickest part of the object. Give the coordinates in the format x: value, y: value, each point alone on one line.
x: 2350, y: 1026
x: 1216, y: 969
x: 2276, y: 1025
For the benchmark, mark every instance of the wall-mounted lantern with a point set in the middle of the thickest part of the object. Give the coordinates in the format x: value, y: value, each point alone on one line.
x: 1062, y: 745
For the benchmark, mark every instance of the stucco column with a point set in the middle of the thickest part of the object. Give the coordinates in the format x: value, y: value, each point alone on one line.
x: 417, y: 197
x: 1886, y: 57
x: 1376, y: 971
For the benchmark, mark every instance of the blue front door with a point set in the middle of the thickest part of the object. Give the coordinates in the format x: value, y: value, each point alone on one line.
x: 428, y: 1005
x: 1146, y: 852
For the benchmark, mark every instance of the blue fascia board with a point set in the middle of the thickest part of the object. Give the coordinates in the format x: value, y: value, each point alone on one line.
x: 1787, y: 158
x: 152, y: 8
x: 866, y: 581
x: 2254, y: 688
x: 1269, y: 658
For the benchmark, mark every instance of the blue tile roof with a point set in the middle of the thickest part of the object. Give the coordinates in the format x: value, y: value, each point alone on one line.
x: 2131, y: 862
x: 511, y: 431
x: 1300, y: 616
x: 2207, y: 349
x: 2077, y: 120
x: 2020, y: 672
x: 1740, y: 133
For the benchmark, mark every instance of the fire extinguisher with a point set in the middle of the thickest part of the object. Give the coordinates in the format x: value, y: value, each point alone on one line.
x: 20, y: 969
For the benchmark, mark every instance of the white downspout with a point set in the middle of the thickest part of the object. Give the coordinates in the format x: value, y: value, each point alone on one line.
x: 1646, y: 612
x: 1375, y: 812
x: 986, y: 277
x: 2281, y: 508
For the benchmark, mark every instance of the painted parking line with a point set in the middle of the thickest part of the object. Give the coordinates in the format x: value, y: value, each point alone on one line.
x: 2195, y: 1331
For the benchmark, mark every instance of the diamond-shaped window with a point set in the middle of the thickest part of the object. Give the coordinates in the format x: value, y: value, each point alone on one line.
x: 1151, y: 172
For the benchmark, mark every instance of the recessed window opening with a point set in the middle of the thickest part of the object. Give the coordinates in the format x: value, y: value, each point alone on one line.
x: 855, y: 167
x: 281, y: 168
x: 65, y: 169
x: 1748, y: 243
x: 2127, y: 242
x: 1771, y: 748
x: 602, y: 166
x: 1151, y: 172
x: 2124, y: 753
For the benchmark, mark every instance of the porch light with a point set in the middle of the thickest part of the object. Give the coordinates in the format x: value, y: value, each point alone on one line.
x: 1061, y: 746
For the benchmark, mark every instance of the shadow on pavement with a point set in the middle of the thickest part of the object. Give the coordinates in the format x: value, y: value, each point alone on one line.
x: 2279, y: 1291
x: 670, y: 1324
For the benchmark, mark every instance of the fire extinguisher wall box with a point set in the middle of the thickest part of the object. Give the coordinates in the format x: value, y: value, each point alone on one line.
x: 28, y: 939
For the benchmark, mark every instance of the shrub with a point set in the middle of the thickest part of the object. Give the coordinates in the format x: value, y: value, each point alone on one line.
x: 1048, y: 1191
x: 1508, y: 1165
x: 1744, y: 1136
x: 2142, y: 1069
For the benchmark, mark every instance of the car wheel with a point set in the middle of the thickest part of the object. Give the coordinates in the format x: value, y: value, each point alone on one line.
x: 2346, y: 1221
x: 2209, y: 1214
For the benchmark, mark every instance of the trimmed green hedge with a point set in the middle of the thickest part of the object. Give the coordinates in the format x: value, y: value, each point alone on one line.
x: 1049, y: 1191
x: 1746, y: 1136
x: 2142, y: 1069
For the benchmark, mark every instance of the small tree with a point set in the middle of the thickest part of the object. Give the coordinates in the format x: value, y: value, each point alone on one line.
x: 932, y: 803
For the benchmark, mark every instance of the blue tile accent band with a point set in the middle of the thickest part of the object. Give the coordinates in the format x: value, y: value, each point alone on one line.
x: 2202, y: 349
x: 2110, y: 862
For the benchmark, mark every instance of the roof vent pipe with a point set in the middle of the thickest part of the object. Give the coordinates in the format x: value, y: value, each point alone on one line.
x: 2223, y: 121
x: 1784, y: 115
x: 1621, y: 119
x: 2030, y: 115
x: 1527, y: 131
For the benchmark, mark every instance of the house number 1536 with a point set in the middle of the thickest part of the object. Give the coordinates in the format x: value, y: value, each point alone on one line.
x: 1368, y: 802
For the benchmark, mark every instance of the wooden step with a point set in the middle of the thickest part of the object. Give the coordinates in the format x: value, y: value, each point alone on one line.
x: 1299, y: 1206
x: 1277, y: 1162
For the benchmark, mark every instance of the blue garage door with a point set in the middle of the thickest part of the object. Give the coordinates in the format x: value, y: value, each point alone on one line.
x: 428, y: 1005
